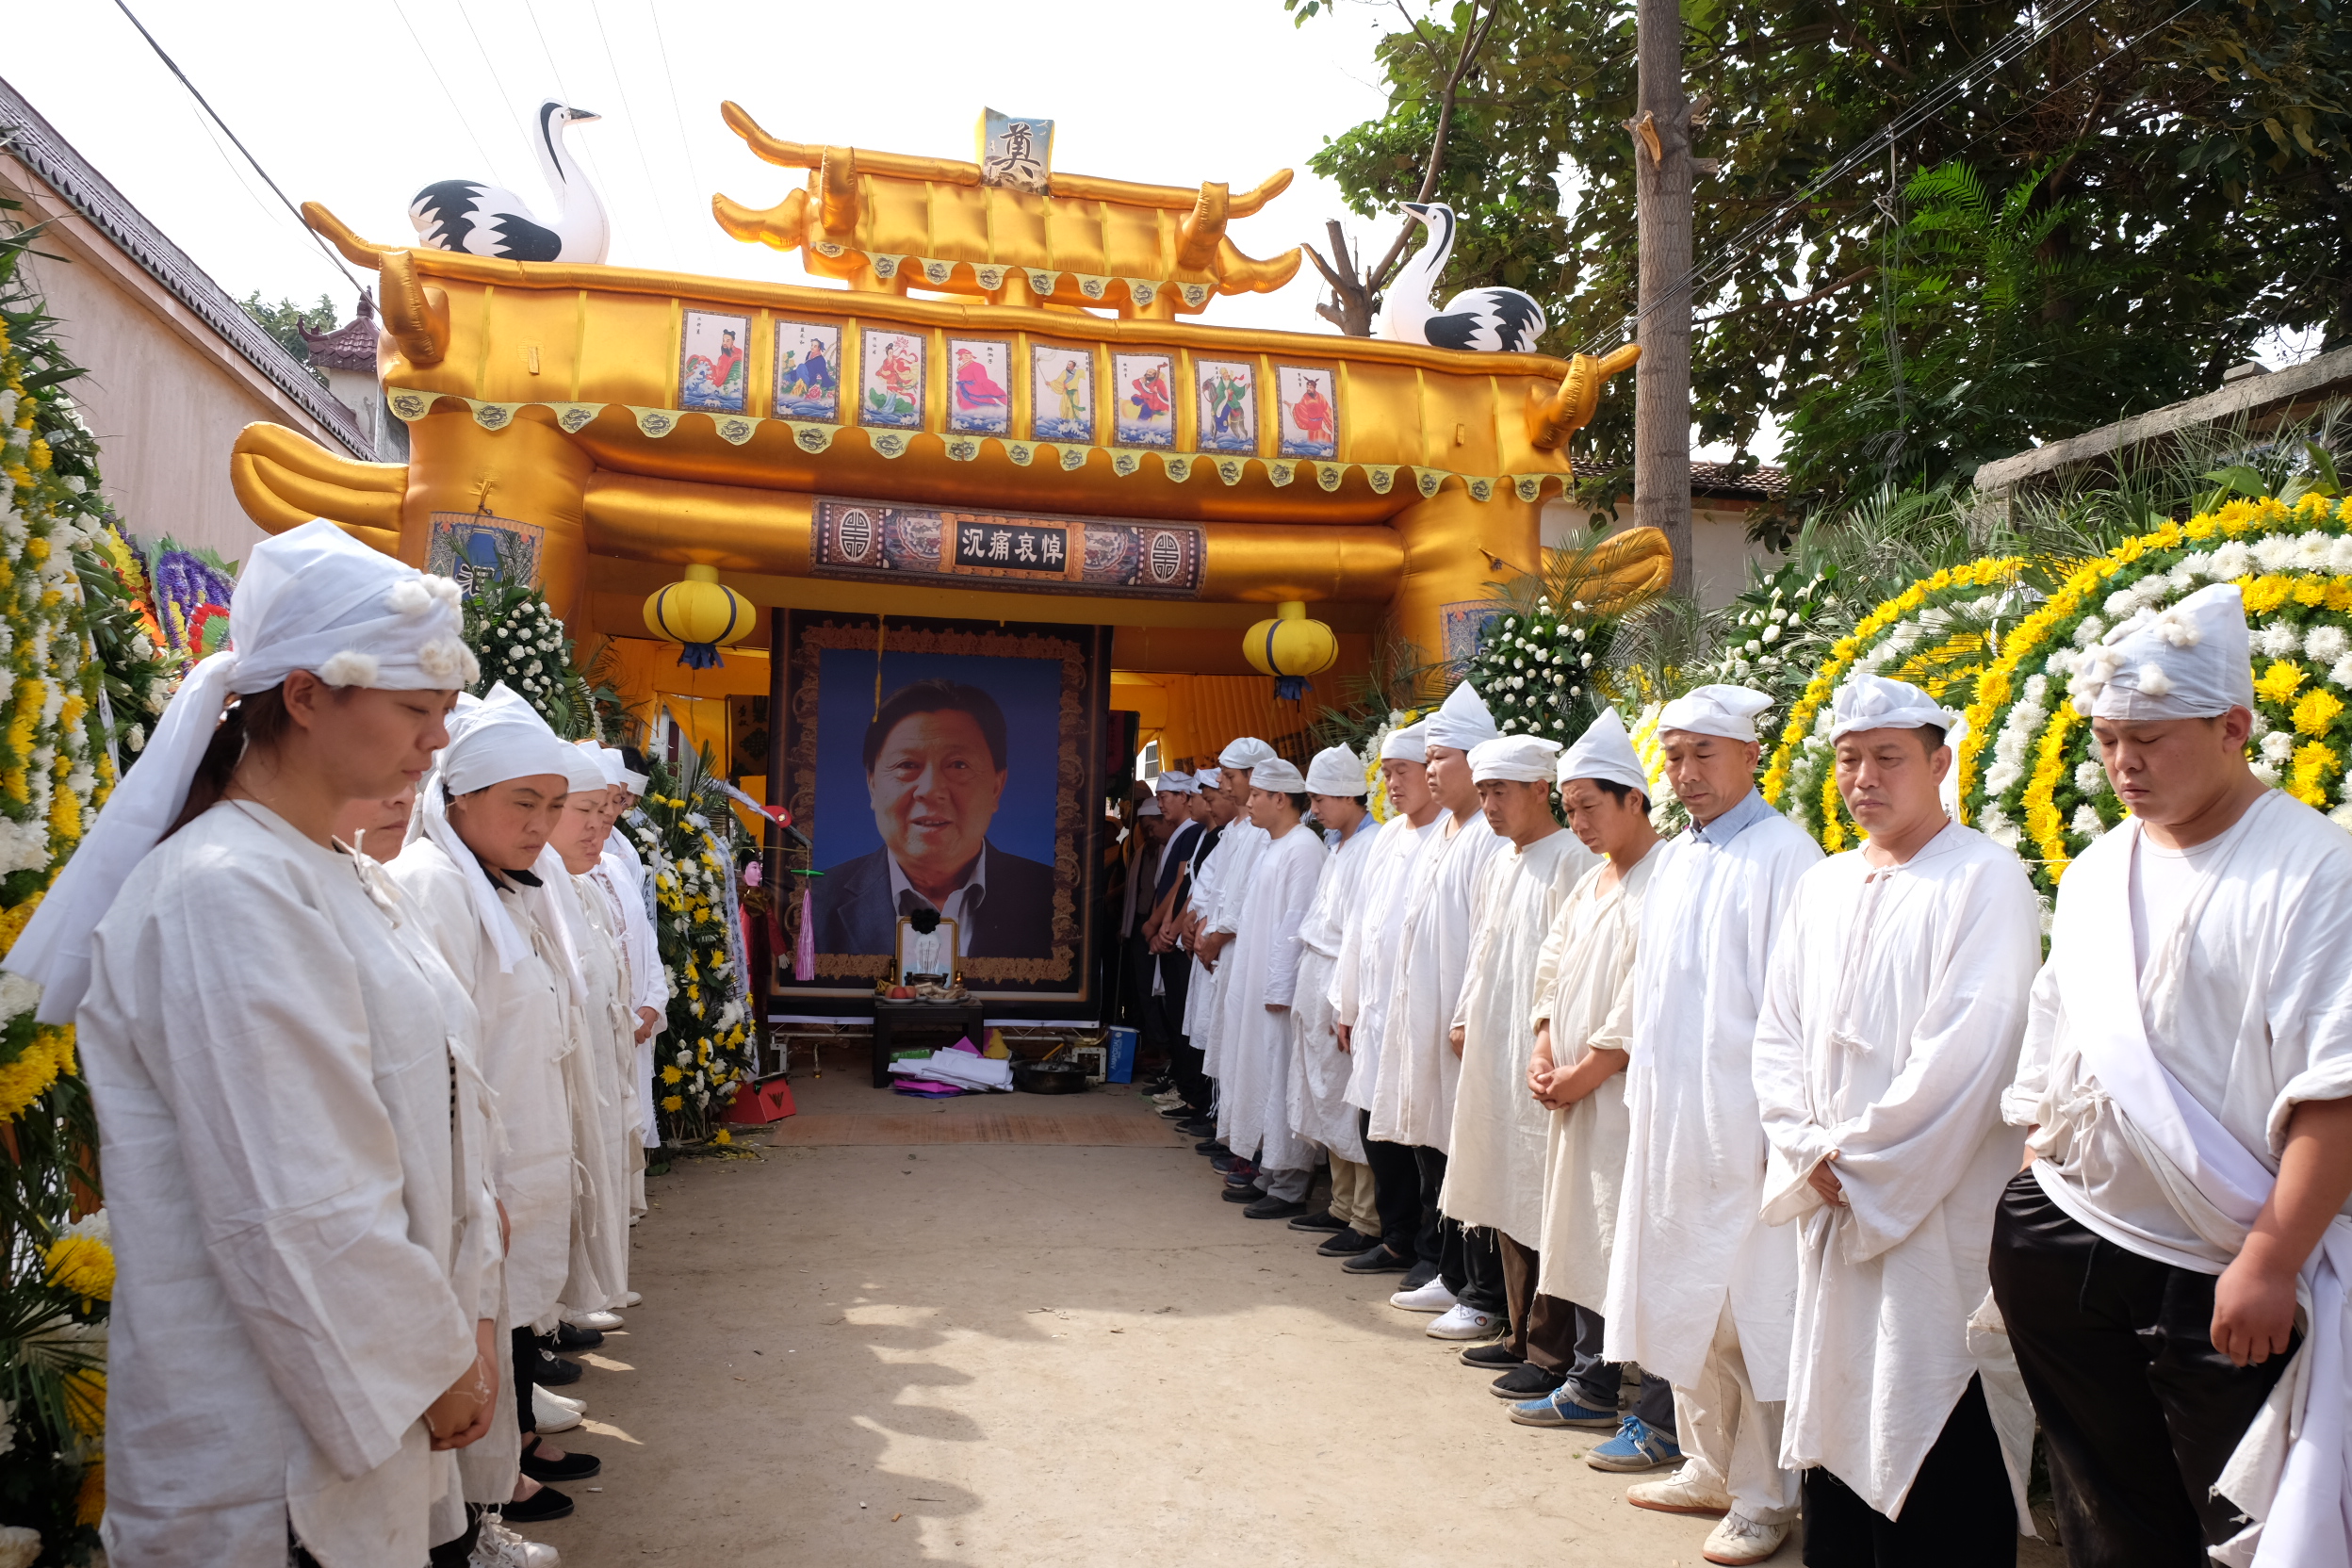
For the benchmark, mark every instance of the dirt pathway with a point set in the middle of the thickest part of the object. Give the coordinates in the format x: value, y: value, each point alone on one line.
x: 1032, y: 1355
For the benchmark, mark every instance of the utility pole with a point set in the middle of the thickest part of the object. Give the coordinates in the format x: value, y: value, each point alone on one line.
x: 1662, y: 385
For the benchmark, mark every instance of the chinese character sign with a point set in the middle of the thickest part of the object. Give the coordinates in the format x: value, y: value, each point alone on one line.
x: 990, y: 545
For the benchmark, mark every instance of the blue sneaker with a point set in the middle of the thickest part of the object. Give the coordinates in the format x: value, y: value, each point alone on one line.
x: 1559, y: 1409
x: 1638, y: 1445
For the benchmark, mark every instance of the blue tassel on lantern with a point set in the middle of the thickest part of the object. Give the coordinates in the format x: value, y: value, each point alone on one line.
x: 699, y: 656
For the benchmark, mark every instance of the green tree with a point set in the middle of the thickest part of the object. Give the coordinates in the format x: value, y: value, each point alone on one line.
x: 2195, y: 155
x: 285, y: 320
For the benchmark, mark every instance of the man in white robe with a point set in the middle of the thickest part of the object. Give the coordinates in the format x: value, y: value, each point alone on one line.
x: 1360, y: 991
x: 1179, y: 798
x: 1495, y: 1169
x: 1891, y: 1018
x: 1583, y: 1021
x: 1700, y: 1290
x: 1196, y: 893
x: 647, y: 973
x: 2187, y: 1081
x: 598, y: 1071
x: 1261, y: 983
x: 1239, y: 847
x: 1412, y: 1102
x: 1318, y: 1106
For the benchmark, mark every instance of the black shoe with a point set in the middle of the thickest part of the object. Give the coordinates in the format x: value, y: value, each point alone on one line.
x: 1203, y: 1128
x: 1376, y: 1260
x: 1419, y: 1275
x: 1347, y: 1244
x: 1240, y: 1179
x: 1492, y: 1357
x: 1231, y: 1163
x: 553, y: 1371
x: 1320, y: 1221
x: 1272, y: 1207
x: 1246, y: 1193
x: 571, y: 1467
x: 1529, y: 1383
x: 541, y: 1506
x: 571, y: 1336
x: 1158, y: 1085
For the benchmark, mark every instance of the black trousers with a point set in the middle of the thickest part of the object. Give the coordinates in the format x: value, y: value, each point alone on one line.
x: 526, y: 1358
x: 1396, y: 1190
x: 1958, y: 1514
x: 1467, y: 1258
x: 2139, y: 1412
x: 1185, y: 1061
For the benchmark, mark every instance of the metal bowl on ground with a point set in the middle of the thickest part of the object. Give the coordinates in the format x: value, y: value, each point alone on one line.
x: 1050, y: 1077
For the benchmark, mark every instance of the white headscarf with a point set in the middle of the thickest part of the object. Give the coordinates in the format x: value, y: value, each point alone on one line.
x: 1875, y: 702
x: 1409, y: 744
x: 1277, y: 777
x: 1514, y: 759
x: 311, y: 598
x: 502, y: 738
x: 1176, y: 784
x: 2190, y: 662
x: 1209, y: 779
x: 608, y: 761
x: 1605, y: 751
x: 1248, y: 752
x: 1461, y: 721
x: 1727, y: 710
x: 1336, y: 771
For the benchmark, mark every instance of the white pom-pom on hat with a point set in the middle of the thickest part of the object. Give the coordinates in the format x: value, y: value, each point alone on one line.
x: 349, y: 668
x: 2154, y: 682
x: 408, y: 597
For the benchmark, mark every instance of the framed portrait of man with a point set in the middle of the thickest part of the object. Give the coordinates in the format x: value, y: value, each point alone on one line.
x: 945, y: 769
x: 926, y: 949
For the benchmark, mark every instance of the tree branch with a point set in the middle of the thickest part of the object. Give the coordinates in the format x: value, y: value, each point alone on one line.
x: 1814, y: 298
x: 1474, y: 38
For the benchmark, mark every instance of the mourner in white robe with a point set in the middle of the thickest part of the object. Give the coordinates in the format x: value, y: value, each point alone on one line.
x: 647, y: 973
x: 1319, y: 1108
x: 293, y: 1131
x: 596, y: 1076
x: 1891, y: 1018
x: 1368, y: 952
x: 1700, y: 1292
x: 1253, y: 1111
x: 2191, y: 1001
x: 1239, y: 847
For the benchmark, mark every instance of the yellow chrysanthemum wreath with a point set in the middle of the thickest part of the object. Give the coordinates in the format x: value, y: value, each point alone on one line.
x: 1927, y: 634
x: 2043, y: 790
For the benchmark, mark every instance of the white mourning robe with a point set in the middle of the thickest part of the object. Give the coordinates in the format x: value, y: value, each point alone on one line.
x: 1208, y: 874
x: 294, y: 1141
x: 1369, y: 955
x: 525, y: 1035
x: 1237, y: 852
x: 1891, y: 1019
x: 1412, y: 1102
x: 1494, y: 1172
x: 597, y: 1074
x: 1262, y: 970
x: 1319, y: 1111
x: 649, y: 980
x: 1690, y: 1235
x: 2245, y: 999
x: 1584, y: 990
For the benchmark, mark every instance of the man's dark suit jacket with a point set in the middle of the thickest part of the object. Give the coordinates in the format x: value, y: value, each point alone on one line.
x: 854, y: 913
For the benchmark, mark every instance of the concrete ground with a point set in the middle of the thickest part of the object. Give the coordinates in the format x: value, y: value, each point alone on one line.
x: 1031, y: 1355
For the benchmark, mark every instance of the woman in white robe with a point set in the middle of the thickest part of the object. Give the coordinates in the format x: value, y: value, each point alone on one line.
x: 1319, y: 1111
x: 598, y: 1070
x: 1262, y: 965
x: 491, y: 805
x: 292, y: 1132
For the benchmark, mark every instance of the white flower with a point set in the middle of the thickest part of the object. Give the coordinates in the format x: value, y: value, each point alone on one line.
x: 2086, y: 821
x: 2342, y: 816
x: 2326, y: 645
x: 2232, y: 560
x: 2089, y: 778
x: 17, y: 995
x: 2340, y: 556
x: 136, y: 738
x: 2276, y: 551
x: 2264, y: 772
x: 1771, y: 633
x: 2310, y: 551
x: 2122, y: 601
x: 2279, y: 746
x: 2342, y: 674
x: 2091, y: 629
x: 2060, y: 664
x: 20, y: 1545
x: 2278, y: 640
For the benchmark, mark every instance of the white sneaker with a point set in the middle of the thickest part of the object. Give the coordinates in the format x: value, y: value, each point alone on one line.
x: 1463, y: 1322
x: 1433, y: 1297
x: 1738, y: 1540
x: 1687, y: 1491
x: 596, y: 1320
x: 496, y: 1546
x: 562, y: 1401
x: 631, y: 1299
x: 546, y: 1416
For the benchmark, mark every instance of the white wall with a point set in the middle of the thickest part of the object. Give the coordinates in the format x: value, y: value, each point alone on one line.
x: 1720, y: 550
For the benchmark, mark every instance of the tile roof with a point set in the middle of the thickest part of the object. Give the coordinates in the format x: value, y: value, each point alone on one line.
x: 349, y: 347
x: 37, y: 144
x: 1717, y: 480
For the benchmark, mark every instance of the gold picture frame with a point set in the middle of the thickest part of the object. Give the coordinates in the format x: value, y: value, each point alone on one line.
x: 951, y: 935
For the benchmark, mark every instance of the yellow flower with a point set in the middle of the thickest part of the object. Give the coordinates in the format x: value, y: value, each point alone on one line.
x: 671, y: 1102
x: 2313, y: 763
x: 2264, y: 594
x: 90, y: 1499
x: 2277, y: 683
x: 722, y: 1137
x: 2317, y: 711
x: 82, y: 1265
x: 28, y: 1078
x: 86, y: 1401
x: 670, y: 1074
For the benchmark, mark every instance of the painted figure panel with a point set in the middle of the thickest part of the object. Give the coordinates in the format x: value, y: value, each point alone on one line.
x: 1229, y: 404
x: 1061, y: 390
x: 980, y: 386
x: 890, y: 372
x: 714, y: 369
x: 807, y: 372
x: 1310, y: 411
x: 1146, y: 415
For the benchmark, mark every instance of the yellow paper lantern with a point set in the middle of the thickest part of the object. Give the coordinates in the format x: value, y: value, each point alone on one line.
x: 701, y: 613
x: 1290, y: 648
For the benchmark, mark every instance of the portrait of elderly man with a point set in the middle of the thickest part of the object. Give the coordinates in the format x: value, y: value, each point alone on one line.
x: 936, y: 767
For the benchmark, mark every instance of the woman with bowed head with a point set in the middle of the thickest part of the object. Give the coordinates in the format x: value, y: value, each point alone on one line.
x: 480, y: 870
x: 291, y: 1127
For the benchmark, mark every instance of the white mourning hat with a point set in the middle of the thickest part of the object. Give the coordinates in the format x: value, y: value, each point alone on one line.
x: 2190, y: 662
x: 1514, y: 758
x: 1461, y: 721
x: 1248, y: 752
x: 1336, y: 771
x: 1407, y: 744
x: 1875, y: 702
x: 1277, y: 777
x: 1727, y: 710
x: 1606, y: 752
x: 1177, y: 784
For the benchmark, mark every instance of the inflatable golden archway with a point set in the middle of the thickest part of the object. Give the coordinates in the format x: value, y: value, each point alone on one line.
x: 1012, y: 410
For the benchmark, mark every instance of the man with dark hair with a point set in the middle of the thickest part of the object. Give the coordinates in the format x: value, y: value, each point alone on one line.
x: 936, y: 764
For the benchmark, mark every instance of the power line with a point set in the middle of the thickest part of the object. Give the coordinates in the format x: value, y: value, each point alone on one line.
x: 1709, y: 275
x: 456, y: 109
x: 669, y: 80
x: 628, y: 106
x: 173, y: 67
x: 595, y: 165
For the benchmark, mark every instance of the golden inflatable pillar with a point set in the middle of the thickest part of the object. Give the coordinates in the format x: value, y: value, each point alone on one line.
x: 529, y: 473
x: 1448, y: 540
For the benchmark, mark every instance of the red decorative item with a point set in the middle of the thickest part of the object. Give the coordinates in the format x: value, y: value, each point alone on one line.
x: 770, y: 1100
